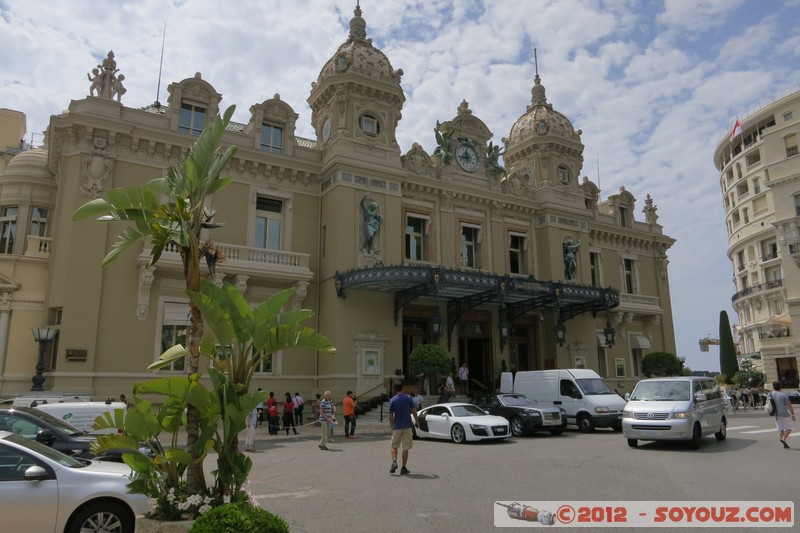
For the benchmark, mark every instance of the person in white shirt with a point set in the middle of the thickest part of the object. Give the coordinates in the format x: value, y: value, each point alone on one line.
x: 463, y: 378
x: 298, y: 409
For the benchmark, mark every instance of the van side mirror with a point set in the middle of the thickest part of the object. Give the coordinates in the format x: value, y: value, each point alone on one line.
x: 576, y: 395
x: 700, y: 397
x: 627, y: 396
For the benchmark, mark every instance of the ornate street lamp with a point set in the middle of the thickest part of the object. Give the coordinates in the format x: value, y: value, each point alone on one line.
x: 504, y: 330
x: 43, y: 336
x: 561, y: 333
x: 436, y: 326
x: 608, y: 333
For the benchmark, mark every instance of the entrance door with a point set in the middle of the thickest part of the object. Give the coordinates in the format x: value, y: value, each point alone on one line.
x: 478, y: 355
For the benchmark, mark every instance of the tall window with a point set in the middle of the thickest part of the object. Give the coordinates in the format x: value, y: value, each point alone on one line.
x: 791, y: 145
x: 192, y: 118
x: 619, y: 364
x: 629, y: 271
x: 265, y: 365
x: 470, y: 246
x: 417, y: 237
x: 594, y: 267
x: 623, y: 216
x: 8, y: 229
x: 175, y: 325
x: 268, y: 223
x: 38, y: 222
x: 797, y: 204
x: 271, y: 138
x: 517, y: 253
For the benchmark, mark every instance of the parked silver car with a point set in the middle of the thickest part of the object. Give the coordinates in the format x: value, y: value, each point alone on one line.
x: 43, y: 489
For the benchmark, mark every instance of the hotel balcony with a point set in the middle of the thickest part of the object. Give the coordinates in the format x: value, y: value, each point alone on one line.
x: 757, y: 289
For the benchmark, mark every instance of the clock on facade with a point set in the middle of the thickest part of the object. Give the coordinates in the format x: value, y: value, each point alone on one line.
x: 467, y: 157
x: 326, y: 129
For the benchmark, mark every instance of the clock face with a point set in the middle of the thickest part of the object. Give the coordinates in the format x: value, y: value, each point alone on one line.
x: 467, y: 157
x: 326, y: 129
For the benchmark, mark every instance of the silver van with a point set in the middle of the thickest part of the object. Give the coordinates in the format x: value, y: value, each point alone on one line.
x: 678, y: 408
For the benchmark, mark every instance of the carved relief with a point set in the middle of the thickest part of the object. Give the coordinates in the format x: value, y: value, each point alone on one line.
x: 240, y: 282
x: 96, y: 168
x: 418, y: 161
x: 146, y: 277
x: 300, y: 293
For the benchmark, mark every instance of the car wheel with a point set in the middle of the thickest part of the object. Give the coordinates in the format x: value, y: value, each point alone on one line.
x: 722, y: 433
x: 696, y: 436
x: 585, y: 424
x: 106, y: 517
x: 558, y: 431
x: 633, y: 443
x: 458, y: 435
x: 517, y: 428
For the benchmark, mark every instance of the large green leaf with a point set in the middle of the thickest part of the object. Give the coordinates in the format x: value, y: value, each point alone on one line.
x: 168, y: 357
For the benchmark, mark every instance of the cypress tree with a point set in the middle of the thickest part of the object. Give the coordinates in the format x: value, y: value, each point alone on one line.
x: 728, y: 364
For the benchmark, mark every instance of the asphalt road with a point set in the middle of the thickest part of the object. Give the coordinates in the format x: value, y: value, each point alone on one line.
x: 454, y: 487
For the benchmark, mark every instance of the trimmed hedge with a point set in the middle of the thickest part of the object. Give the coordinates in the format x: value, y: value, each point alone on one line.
x: 239, y: 517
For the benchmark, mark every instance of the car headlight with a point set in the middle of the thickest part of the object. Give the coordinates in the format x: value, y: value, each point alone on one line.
x: 528, y: 412
x: 626, y: 414
x: 601, y: 410
x: 681, y: 414
x: 475, y: 427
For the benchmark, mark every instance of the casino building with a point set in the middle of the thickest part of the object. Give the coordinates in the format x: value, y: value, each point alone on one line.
x: 494, y: 247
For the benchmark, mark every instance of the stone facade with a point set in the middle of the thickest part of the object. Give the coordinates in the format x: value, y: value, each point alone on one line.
x: 301, y: 212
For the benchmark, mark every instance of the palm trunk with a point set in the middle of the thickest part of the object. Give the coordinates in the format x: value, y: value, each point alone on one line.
x: 195, y: 477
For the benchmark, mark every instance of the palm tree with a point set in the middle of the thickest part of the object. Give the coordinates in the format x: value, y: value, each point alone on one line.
x: 175, y: 224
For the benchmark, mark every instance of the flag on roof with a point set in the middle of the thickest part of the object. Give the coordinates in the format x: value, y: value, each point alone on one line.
x: 737, y: 130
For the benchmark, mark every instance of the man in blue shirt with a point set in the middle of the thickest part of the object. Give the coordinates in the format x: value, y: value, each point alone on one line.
x: 401, y: 409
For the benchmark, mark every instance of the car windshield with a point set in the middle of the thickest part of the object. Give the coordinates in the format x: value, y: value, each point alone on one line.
x: 517, y: 400
x: 662, y: 391
x: 47, y: 451
x: 467, y: 410
x: 593, y: 386
x: 69, y: 429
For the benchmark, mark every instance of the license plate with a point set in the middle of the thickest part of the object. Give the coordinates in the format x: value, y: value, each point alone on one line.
x: 650, y: 433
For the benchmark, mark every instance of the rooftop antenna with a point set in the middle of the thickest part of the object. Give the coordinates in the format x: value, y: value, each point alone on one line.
x: 536, y: 62
x: 597, y: 155
x: 160, y: 66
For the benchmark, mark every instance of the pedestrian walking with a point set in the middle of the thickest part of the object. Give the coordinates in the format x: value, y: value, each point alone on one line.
x: 261, y: 408
x: 326, y: 418
x: 298, y: 409
x: 250, y: 430
x: 288, y: 414
x: 349, y: 412
x: 401, y: 411
x: 463, y: 378
x: 784, y: 412
x: 315, y: 410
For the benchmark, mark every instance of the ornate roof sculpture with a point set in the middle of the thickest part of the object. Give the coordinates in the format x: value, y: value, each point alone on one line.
x: 541, y: 119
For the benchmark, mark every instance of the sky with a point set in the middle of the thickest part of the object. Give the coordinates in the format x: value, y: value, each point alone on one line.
x: 653, y: 85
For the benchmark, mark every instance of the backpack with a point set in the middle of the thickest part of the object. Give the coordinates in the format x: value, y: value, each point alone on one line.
x: 771, y: 409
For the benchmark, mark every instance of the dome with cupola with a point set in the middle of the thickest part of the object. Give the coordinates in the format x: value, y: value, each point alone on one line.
x: 357, y: 55
x: 540, y: 119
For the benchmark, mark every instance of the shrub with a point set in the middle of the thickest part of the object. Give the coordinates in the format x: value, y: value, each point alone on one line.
x: 237, y: 517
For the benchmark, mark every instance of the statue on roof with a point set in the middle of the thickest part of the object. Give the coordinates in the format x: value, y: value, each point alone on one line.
x: 493, y: 154
x: 442, y: 144
x: 650, y: 215
x: 104, y: 80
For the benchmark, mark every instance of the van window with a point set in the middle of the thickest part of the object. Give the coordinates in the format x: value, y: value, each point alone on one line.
x: 592, y: 386
x: 568, y: 388
x: 710, y: 388
x: 697, y: 390
x: 661, y: 391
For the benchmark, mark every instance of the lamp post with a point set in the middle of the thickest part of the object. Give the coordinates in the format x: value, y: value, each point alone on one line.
x: 43, y: 336
x: 436, y: 325
x: 561, y: 333
x: 608, y: 333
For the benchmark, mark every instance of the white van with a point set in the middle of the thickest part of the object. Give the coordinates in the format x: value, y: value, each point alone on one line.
x: 588, y: 401
x: 677, y: 408
x: 82, y: 414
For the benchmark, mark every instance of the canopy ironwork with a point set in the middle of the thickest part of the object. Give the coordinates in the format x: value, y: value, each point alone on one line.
x: 466, y: 289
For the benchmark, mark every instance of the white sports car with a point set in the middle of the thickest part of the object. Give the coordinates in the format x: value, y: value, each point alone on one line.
x: 461, y: 422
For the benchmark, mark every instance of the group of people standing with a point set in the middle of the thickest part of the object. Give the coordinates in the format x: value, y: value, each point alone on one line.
x: 292, y: 417
x: 748, y: 397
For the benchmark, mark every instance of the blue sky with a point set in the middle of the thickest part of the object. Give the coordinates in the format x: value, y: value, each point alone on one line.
x: 652, y: 84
